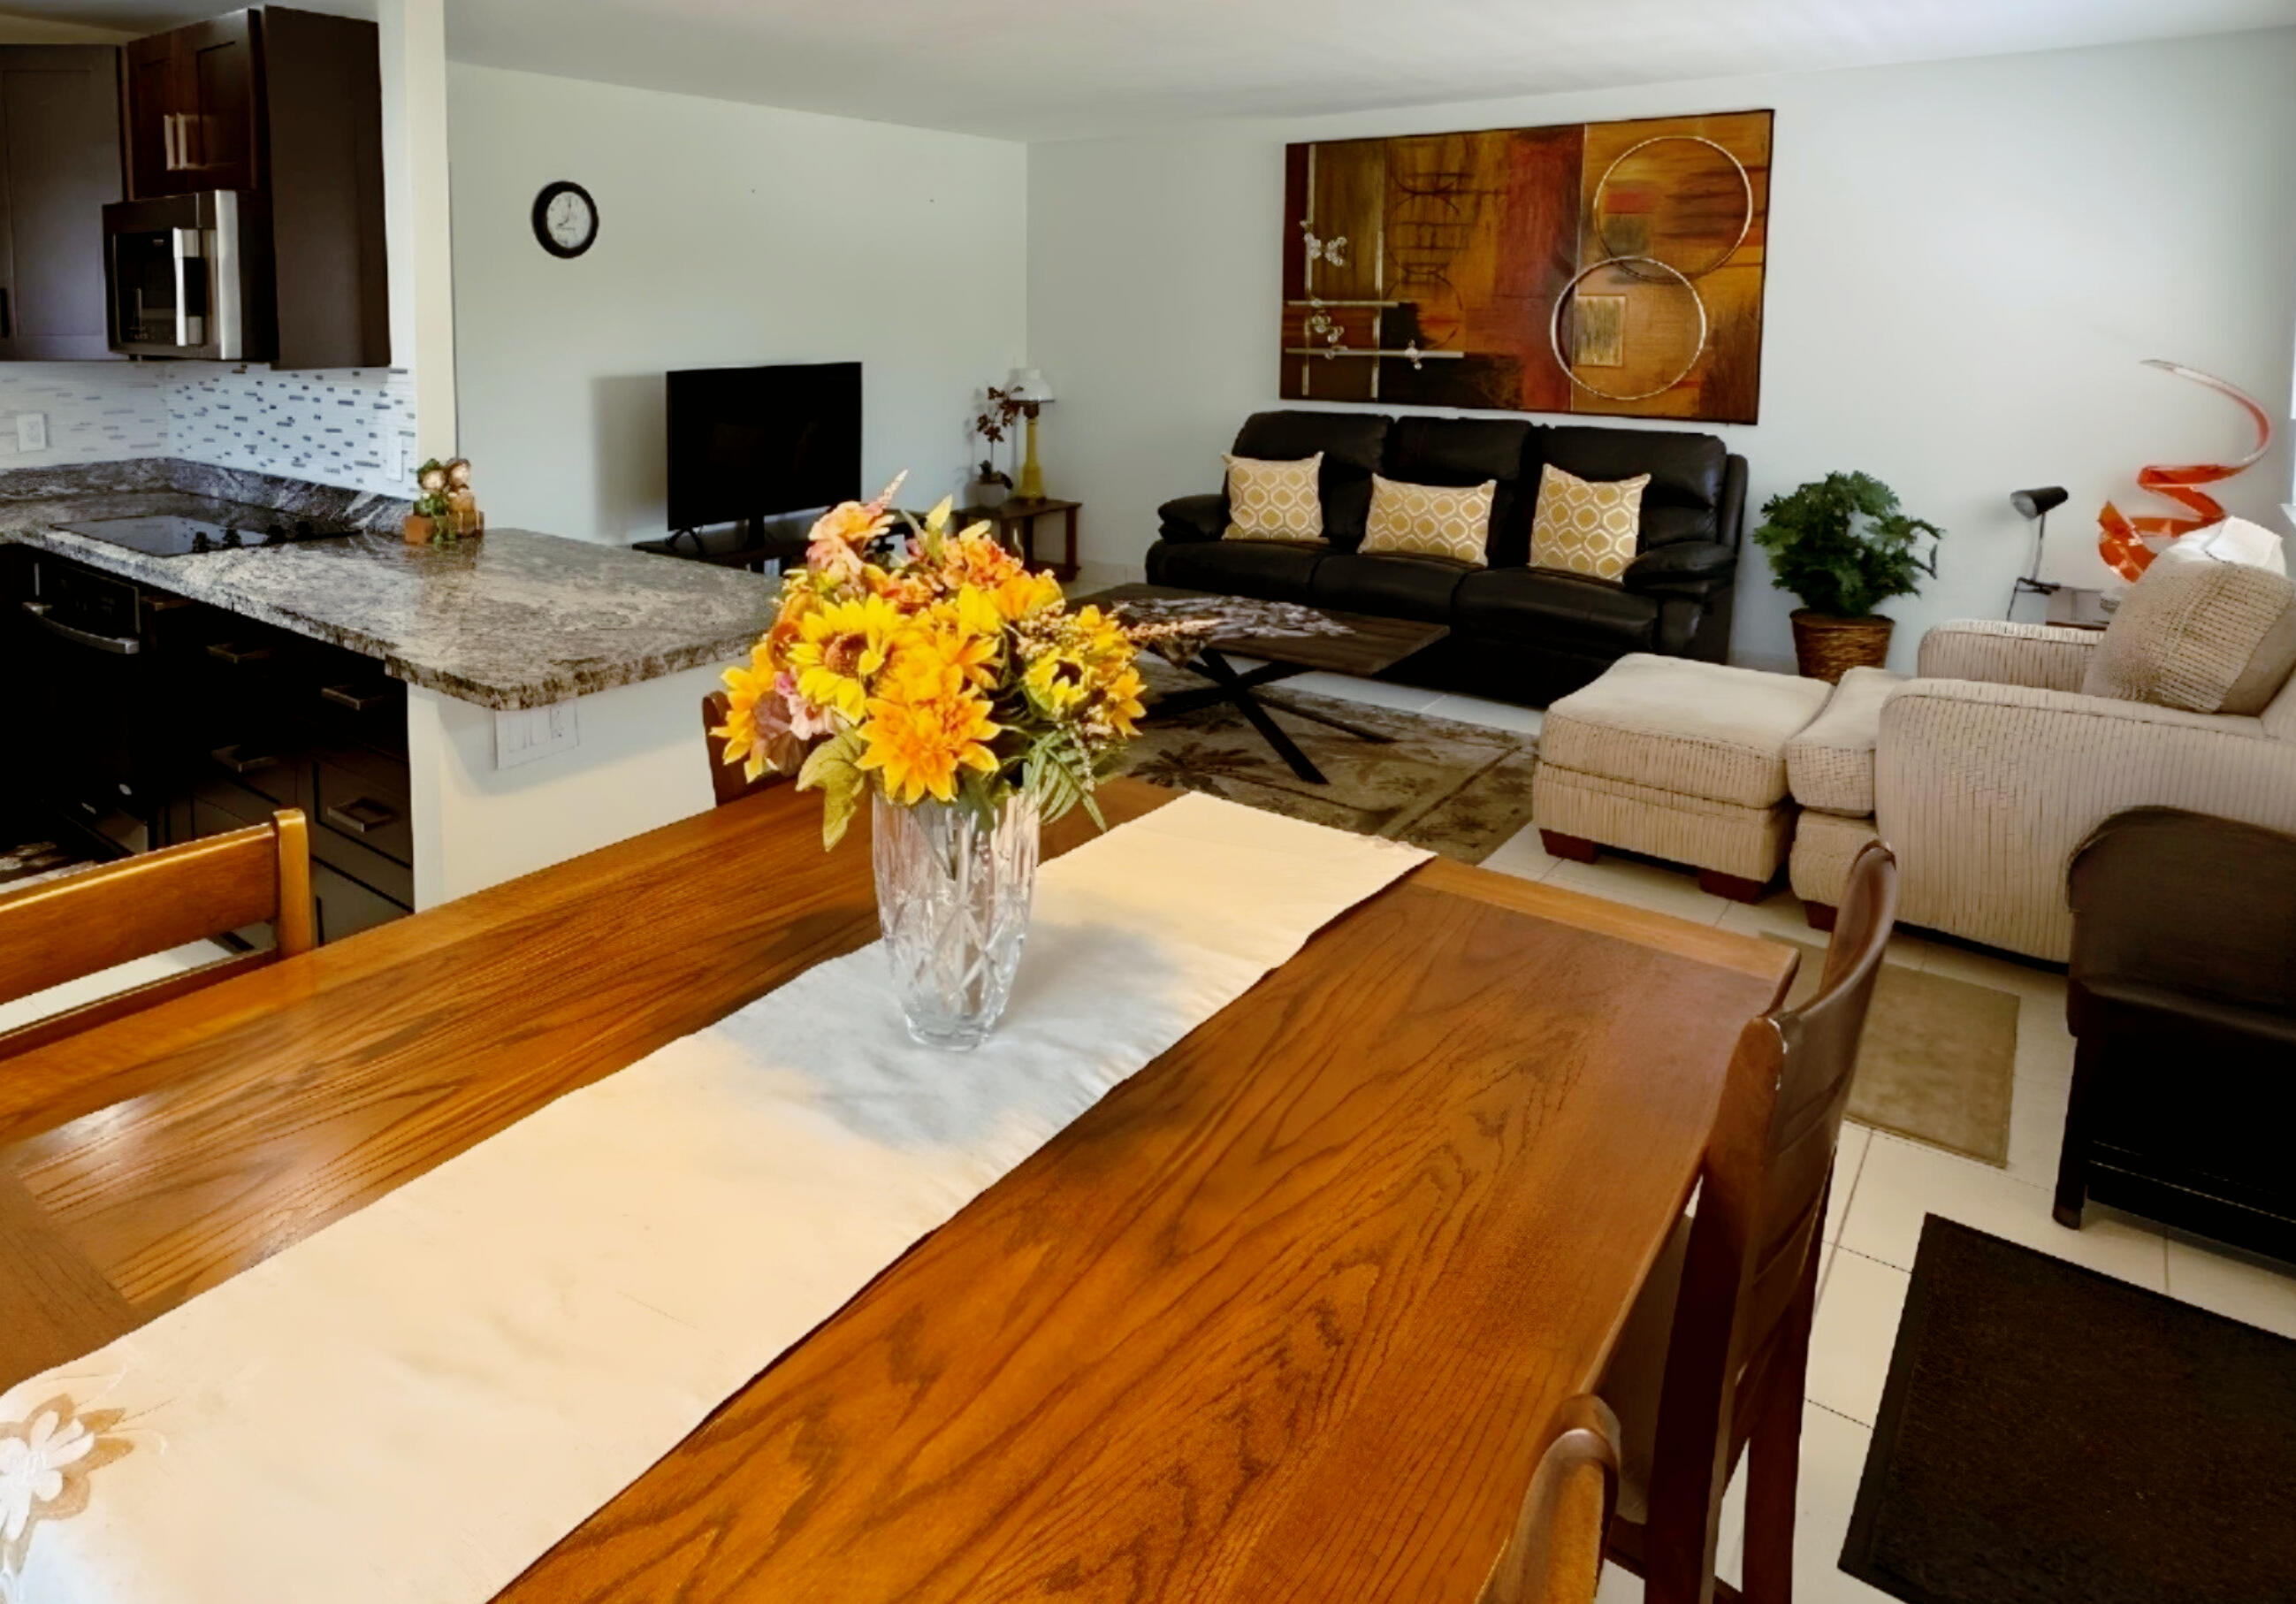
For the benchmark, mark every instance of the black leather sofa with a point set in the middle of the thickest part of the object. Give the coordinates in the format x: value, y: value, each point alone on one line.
x: 1518, y: 633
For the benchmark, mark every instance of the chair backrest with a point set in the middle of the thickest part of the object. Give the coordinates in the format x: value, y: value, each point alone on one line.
x: 728, y: 782
x: 1555, y: 1554
x: 86, y: 923
x: 1748, y: 1278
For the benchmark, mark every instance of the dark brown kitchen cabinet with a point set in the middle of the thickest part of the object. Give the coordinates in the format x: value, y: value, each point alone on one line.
x: 59, y: 168
x: 285, y: 106
x: 194, y: 114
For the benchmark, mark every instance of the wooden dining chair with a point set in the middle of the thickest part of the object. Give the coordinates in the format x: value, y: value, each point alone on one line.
x: 727, y: 781
x: 1711, y: 1364
x: 1555, y: 1554
x: 86, y: 923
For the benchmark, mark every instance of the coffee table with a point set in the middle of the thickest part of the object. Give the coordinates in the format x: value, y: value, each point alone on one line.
x: 1346, y: 643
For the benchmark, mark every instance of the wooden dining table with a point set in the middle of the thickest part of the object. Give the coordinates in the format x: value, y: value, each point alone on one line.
x: 1283, y: 1317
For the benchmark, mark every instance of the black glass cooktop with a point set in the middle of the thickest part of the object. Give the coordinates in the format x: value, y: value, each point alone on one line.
x: 222, y: 527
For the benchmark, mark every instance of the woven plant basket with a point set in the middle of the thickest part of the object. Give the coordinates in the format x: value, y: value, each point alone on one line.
x: 1827, y: 647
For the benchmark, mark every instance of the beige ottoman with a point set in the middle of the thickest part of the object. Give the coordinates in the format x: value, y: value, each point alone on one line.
x: 1678, y: 759
x: 1830, y: 769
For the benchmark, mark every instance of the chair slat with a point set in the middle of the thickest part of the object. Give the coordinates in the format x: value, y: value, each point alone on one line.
x: 86, y: 923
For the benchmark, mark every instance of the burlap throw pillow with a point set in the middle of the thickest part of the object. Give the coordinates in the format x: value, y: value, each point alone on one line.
x: 2198, y: 634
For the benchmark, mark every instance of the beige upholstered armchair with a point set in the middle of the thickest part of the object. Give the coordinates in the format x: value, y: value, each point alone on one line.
x: 1990, y: 767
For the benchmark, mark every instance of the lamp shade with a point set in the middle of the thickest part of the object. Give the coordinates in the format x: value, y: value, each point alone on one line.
x: 2032, y: 504
x: 1029, y: 384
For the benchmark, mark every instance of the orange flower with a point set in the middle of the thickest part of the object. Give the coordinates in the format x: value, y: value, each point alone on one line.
x: 918, y: 748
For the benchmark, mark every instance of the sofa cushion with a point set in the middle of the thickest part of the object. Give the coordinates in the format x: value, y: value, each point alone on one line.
x: 1829, y: 764
x: 1468, y: 451
x: 1685, y: 472
x: 1453, y: 522
x: 1582, y: 527
x: 2200, y: 634
x: 1269, y: 570
x: 1513, y: 602
x: 1352, y: 443
x: 1697, y: 728
x: 1274, y: 501
x: 1389, y: 587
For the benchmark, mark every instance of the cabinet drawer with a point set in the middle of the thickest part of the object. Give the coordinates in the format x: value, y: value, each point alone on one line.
x: 345, y: 907
x: 267, y: 765
x: 366, y: 802
x: 361, y: 706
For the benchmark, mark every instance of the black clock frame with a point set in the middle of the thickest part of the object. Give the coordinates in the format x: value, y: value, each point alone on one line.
x: 551, y: 192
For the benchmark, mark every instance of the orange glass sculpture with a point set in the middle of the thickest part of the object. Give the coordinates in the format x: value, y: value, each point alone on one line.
x: 2123, y: 542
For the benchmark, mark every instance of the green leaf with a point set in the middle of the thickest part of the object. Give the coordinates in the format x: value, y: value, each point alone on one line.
x: 832, y: 768
x: 1842, y: 546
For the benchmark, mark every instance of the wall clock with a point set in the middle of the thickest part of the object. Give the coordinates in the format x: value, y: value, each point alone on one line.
x: 565, y: 218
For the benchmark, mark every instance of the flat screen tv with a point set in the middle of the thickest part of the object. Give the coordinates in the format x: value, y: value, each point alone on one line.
x: 748, y: 442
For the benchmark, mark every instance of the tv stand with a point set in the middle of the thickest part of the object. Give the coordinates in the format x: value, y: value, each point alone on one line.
x: 745, y: 545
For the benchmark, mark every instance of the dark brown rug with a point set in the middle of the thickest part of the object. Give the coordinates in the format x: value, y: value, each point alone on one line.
x: 1939, y: 1061
x: 1461, y: 790
x: 2051, y: 1435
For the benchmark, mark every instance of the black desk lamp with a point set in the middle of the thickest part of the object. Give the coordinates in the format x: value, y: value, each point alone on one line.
x: 2034, y: 505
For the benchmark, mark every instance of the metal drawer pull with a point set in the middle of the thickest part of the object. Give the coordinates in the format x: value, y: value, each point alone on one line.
x: 231, y: 652
x: 352, y: 697
x: 361, y: 817
x: 253, y: 764
x: 124, y: 646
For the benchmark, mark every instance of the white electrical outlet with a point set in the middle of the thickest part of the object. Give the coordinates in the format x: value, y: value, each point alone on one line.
x: 31, y: 432
x: 402, y: 455
x: 535, y: 733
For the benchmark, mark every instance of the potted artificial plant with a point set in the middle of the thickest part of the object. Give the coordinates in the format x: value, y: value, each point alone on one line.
x: 1842, y: 545
x: 991, y: 485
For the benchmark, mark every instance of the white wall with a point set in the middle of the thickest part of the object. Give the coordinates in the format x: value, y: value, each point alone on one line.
x: 1967, y: 260
x: 728, y: 234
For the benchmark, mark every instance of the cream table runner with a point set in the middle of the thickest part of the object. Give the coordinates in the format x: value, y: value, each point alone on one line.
x: 413, y: 1405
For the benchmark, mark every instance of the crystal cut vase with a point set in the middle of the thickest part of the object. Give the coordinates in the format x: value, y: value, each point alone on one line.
x: 953, y: 899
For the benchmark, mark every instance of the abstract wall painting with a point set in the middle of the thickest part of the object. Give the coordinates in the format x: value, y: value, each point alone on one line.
x: 1608, y: 268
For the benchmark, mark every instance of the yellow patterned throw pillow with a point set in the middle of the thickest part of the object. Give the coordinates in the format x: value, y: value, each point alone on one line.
x: 1274, y: 501
x: 1586, y: 527
x: 1430, y: 520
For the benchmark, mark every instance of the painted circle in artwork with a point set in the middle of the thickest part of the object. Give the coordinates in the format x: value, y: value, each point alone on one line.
x: 1678, y: 199
x: 1650, y: 357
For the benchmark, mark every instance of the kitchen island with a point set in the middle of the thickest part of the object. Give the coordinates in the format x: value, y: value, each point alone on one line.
x: 552, y: 685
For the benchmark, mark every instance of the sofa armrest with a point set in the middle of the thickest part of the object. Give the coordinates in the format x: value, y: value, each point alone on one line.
x: 1686, y: 566
x: 1194, y: 517
x: 2040, y: 655
x: 1985, y: 790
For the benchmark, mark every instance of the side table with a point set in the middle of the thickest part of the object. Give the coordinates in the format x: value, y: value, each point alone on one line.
x: 1017, y: 515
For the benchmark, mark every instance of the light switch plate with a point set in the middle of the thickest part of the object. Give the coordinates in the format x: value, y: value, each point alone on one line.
x: 31, y: 432
x: 535, y: 733
x: 402, y: 455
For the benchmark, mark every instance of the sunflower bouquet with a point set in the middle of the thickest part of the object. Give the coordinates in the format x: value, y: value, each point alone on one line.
x: 931, y: 663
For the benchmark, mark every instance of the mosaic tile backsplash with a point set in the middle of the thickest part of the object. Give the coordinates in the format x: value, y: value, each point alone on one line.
x: 350, y: 428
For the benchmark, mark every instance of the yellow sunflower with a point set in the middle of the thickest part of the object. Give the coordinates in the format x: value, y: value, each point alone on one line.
x: 841, y: 645
x: 1057, y: 681
x: 918, y: 748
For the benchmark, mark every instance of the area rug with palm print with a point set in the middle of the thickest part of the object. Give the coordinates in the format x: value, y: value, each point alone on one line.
x: 1461, y: 790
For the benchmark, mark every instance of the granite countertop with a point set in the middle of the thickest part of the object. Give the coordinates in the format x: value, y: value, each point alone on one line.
x: 510, y: 620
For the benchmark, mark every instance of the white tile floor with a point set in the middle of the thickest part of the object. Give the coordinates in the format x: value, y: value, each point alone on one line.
x: 1883, y: 1185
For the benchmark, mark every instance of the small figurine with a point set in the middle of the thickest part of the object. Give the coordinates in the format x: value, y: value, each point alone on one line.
x: 447, y: 509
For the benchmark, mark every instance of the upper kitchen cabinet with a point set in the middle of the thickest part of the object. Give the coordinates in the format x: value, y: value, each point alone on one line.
x: 193, y: 117
x: 285, y: 106
x: 59, y: 166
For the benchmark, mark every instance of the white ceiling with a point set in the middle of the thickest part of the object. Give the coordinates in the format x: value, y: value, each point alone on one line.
x: 1057, y: 69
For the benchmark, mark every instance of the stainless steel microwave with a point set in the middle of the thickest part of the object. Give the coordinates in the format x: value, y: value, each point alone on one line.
x: 189, y: 275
